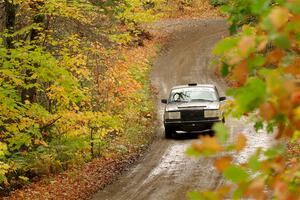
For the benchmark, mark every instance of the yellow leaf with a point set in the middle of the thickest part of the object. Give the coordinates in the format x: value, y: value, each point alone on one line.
x: 23, y: 178
x: 40, y: 142
x: 297, y: 112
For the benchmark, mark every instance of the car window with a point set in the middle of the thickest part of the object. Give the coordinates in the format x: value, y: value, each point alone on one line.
x: 193, y: 94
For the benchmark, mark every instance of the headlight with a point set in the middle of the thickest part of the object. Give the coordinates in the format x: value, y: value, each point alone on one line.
x: 173, y: 115
x: 211, y: 113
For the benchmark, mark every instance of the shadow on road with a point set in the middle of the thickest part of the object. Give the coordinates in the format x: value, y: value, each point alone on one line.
x: 192, y: 135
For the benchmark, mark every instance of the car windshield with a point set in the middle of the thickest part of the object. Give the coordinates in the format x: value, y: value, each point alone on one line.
x: 193, y: 94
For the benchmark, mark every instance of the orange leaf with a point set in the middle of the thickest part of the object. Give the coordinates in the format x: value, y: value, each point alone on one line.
x: 279, y: 17
x: 293, y: 68
x: 297, y: 124
x: 280, y: 189
x: 280, y: 130
x: 286, y: 105
x: 224, y: 190
x: 241, y: 142
x: 208, y: 144
x: 289, y: 132
x: 245, y: 44
x: 241, y: 72
x: 296, y: 97
x: 262, y: 45
x: 278, y: 164
x: 256, y: 190
x: 275, y: 56
x: 267, y: 111
x: 223, y: 163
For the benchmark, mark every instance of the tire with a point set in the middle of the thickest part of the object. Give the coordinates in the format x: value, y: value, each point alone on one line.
x: 211, y: 134
x: 169, y: 133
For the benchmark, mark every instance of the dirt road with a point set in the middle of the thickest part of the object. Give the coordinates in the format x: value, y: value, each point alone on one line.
x: 166, y: 173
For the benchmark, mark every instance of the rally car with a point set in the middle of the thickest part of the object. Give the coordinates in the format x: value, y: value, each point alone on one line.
x: 192, y: 107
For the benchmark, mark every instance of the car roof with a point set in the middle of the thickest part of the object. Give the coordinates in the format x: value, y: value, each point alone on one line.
x: 193, y: 85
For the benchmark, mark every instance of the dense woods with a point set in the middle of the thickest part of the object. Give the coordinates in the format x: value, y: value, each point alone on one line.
x: 262, y: 60
x: 68, y: 89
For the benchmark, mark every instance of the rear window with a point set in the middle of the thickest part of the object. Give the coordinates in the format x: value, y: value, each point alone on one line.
x: 191, y: 94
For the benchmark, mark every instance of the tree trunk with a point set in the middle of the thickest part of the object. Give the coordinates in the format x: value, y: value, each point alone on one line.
x: 92, y: 142
x: 31, y: 93
x: 10, y: 21
x: 37, y: 19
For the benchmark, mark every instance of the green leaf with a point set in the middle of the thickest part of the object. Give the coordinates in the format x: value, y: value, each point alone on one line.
x: 222, y: 132
x: 274, y: 151
x: 260, y: 6
x: 238, y: 193
x: 225, y: 70
x: 225, y: 8
x: 254, y: 162
x: 270, y: 127
x: 192, y: 152
x: 258, y: 125
x: 248, y: 30
x: 293, y: 7
x: 236, y: 174
x: 257, y: 61
x: 225, y: 45
x: 282, y: 42
x: 248, y: 97
x: 194, y: 195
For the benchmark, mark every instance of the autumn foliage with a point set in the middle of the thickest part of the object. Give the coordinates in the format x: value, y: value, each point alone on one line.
x: 72, y: 88
x: 263, y: 59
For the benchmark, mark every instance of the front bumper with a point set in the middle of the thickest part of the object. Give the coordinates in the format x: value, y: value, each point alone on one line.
x: 190, y: 126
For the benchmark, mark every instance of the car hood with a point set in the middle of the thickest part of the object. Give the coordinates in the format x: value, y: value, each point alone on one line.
x: 193, y: 106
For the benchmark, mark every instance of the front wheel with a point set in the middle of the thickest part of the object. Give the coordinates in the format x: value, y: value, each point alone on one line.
x: 211, y: 133
x: 168, y: 133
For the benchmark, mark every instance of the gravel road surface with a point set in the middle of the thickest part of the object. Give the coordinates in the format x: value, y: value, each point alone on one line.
x: 166, y: 173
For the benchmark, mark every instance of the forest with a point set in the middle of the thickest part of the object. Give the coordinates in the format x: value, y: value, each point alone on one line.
x: 75, y: 87
x: 70, y: 88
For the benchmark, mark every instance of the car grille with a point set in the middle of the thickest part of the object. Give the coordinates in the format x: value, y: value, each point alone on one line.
x: 192, y: 115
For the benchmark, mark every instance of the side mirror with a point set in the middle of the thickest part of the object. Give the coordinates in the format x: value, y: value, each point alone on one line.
x: 164, y: 101
x: 222, y: 98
